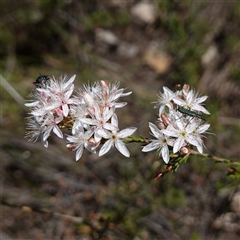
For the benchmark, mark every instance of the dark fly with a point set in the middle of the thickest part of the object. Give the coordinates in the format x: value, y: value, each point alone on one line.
x: 41, y: 81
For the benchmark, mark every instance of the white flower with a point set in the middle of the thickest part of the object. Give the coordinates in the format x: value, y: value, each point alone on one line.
x: 197, y: 132
x: 35, y: 131
x: 58, y: 94
x: 50, y: 124
x: 79, y: 141
x: 110, y: 94
x: 78, y: 112
x: 161, y: 143
x: 184, y: 134
x: 49, y: 106
x: 41, y: 124
x: 115, y: 139
x: 165, y: 100
x: 192, y: 102
x: 90, y: 115
x: 88, y: 99
x: 104, y: 94
x: 100, y: 121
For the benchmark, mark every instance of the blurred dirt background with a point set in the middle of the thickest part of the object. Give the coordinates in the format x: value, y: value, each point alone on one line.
x: 46, y: 194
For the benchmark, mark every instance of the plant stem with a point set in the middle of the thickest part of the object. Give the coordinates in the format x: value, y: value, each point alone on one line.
x: 193, y: 152
x: 215, y: 158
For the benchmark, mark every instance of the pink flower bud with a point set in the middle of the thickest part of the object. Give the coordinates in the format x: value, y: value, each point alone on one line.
x: 161, y: 125
x: 165, y: 120
x: 104, y: 84
x: 91, y: 110
x: 70, y: 146
x: 158, y: 175
x: 88, y: 99
x: 186, y: 88
x: 104, y: 87
x: 184, y: 150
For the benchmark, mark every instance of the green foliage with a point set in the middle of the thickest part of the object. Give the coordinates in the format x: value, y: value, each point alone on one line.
x: 236, y: 9
x: 232, y: 43
x: 106, y: 19
x: 195, y: 236
x: 184, y: 41
x: 235, y: 74
x: 174, y: 197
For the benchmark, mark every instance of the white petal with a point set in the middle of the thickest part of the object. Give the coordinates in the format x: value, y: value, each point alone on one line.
x: 200, y: 108
x: 190, y: 96
x: 32, y: 104
x: 114, y: 120
x: 201, y: 99
x: 191, y: 127
x: 126, y: 94
x: 168, y: 92
x: 151, y: 146
x: 88, y: 134
x: 126, y: 132
x: 200, y: 148
x: 180, y: 124
x: 169, y: 105
x: 110, y: 127
x: 79, y: 152
x: 161, y: 108
x: 89, y: 121
x: 165, y: 154
x: 118, y: 94
x: 170, y: 131
x: 108, y: 113
x: 65, y: 110
x: 46, y: 134
x: 104, y: 133
x: 105, y: 148
x: 203, y: 128
x: 194, y: 140
x: 69, y: 92
x: 178, y: 144
x: 88, y: 99
x: 179, y: 101
x: 57, y: 131
x: 120, y: 105
x: 69, y: 82
x: 122, y: 148
x: 170, y: 142
x: 97, y: 137
x: 45, y: 143
x: 155, y: 130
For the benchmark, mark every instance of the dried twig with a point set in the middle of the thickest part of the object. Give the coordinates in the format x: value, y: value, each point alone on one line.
x: 19, y: 99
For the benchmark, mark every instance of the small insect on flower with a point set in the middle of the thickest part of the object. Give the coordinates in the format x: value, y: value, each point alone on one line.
x: 41, y: 81
x: 190, y: 113
x: 178, y: 87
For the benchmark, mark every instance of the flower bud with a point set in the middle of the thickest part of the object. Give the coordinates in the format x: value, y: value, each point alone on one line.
x: 184, y: 150
x: 158, y: 175
x: 186, y: 88
x: 91, y: 110
x: 165, y: 120
x: 232, y: 170
x: 104, y: 84
x: 70, y: 147
x: 104, y: 87
x: 160, y: 125
x: 88, y: 99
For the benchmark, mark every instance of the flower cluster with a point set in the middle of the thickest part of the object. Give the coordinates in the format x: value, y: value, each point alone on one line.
x: 180, y: 124
x: 90, y: 115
